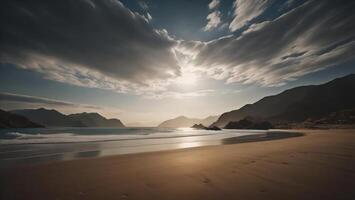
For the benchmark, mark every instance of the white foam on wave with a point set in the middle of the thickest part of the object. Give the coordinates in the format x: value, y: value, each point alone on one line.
x: 23, y: 138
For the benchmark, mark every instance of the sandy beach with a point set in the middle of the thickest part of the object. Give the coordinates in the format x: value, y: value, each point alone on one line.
x: 318, y: 165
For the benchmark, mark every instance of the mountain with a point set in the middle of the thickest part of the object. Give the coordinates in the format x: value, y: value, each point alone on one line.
x: 209, y: 120
x: 299, y: 104
x: 53, y: 118
x: 95, y: 120
x: 182, y: 121
x: 339, y: 117
x: 10, y: 120
x: 179, y: 122
x: 248, y: 123
x: 50, y: 118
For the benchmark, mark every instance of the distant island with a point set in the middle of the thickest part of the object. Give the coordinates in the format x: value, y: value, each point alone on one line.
x: 329, y: 104
x: 30, y: 118
x: 183, y: 122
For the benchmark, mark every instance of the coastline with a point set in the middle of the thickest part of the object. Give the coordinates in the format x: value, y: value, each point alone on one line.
x: 36, y: 153
x: 319, y: 165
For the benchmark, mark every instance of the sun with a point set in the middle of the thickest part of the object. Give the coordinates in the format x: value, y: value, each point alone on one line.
x: 187, y: 79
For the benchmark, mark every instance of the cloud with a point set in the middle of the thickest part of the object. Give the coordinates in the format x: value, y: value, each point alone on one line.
x: 102, y: 44
x: 214, y: 20
x: 213, y: 4
x: 90, y: 43
x: 25, y: 100
x: 180, y: 95
x: 149, y: 17
x: 143, y: 5
x: 10, y: 101
x: 245, y: 11
x: 274, y: 52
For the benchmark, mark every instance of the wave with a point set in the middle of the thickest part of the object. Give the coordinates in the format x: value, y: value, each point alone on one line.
x: 23, y: 138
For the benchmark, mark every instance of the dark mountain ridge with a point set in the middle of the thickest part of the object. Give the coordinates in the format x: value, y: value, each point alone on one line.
x: 95, y: 120
x: 53, y: 118
x: 10, y: 120
x: 298, y: 104
x: 49, y: 118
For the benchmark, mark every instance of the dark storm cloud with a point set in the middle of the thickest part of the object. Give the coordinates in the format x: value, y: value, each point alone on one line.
x: 314, y: 36
x: 94, y: 43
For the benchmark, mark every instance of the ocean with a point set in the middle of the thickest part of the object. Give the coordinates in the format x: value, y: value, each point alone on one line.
x: 19, y: 146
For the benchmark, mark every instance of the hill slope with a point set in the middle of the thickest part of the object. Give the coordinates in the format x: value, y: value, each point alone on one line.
x: 53, y: 118
x: 50, y: 118
x: 299, y: 104
x: 95, y: 120
x: 10, y: 120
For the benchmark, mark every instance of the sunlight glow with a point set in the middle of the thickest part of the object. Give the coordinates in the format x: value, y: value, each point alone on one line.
x: 187, y: 78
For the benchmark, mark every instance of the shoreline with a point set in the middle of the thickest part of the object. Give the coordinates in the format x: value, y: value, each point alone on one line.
x: 210, y: 133
x: 319, y: 165
x: 37, y: 153
x: 269, y: 135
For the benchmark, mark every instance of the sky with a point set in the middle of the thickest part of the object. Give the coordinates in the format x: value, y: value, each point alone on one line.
x: 145, y: 61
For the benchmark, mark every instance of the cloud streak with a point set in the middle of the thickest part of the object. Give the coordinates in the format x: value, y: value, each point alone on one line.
x: 102, y: 44
x: 25, y: 99
x: 94, y: 43
x: 10, y: 101
x: 274, y: 52
x: 213, y: 4
x: 245, y: 11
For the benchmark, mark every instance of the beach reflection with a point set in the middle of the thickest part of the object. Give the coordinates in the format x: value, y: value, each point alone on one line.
x: 188, y: 142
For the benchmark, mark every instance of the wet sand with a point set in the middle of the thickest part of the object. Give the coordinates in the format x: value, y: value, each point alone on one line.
x: 318, y: 165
